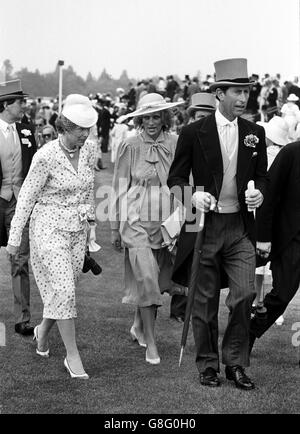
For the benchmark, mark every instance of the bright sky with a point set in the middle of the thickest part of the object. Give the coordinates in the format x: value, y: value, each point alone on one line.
x: 154, y: 37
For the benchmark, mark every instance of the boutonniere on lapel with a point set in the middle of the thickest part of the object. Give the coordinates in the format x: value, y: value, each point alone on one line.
x: 26, y: 142
x: 251, y: 140
x: 26, y: 133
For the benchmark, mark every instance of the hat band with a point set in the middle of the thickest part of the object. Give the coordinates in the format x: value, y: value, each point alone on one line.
x: 12, y: 94
x: 152, y: 105
x: 205, y: 106
x: 235, y: 80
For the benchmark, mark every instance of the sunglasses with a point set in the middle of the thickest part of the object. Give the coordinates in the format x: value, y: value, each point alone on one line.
x: 39, y: 125
x: 47, y: 136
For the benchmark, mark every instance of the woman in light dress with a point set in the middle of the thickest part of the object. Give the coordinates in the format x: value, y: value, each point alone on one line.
x: 140, y: 192
x: 58, y: 193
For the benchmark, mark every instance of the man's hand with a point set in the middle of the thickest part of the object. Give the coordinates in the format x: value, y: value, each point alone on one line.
x: 263, y: 249
x: 253, y: 199
x: 12, y: 250
x: 204, y: 201
x: 116, y: 239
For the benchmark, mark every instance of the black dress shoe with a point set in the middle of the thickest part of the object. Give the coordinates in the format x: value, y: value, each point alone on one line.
x: 23, y: 328
x: 210, y: 378
x: 237, y: 374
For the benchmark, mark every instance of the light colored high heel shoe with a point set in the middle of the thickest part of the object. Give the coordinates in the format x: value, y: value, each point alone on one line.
x: 279, y: 321
x: 35, y: 338
x: 73, y: 375
x: 136, y: 338
x: 155, y: 361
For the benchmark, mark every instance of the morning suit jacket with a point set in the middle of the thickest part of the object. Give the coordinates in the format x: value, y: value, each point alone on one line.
x: 278, y: 219
x: 198, y: 151
x: 28, y: 150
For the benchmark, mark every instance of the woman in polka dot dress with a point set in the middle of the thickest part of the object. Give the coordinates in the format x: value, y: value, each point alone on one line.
x: 58, y: 192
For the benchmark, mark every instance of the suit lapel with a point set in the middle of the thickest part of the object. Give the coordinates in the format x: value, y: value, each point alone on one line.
x: 209, y: 139
x: 244, y: 155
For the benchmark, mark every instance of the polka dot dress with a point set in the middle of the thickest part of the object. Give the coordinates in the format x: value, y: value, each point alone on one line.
x: 62, y: 200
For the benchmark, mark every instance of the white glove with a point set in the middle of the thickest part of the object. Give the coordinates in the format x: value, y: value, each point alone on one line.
x: 204, y: 201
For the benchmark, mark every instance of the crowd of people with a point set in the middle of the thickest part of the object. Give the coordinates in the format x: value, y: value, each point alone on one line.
x: 190, y: 149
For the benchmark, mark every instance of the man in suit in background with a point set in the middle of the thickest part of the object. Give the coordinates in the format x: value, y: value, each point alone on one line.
x: 224, y: 152
x: 278, y: 232
x: 17, y: 147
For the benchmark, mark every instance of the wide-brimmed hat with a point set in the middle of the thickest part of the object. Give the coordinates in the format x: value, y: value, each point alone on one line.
x: 276, y: 130
x: 151, y: 103
x: 292, y: 98
x: 202, y: 101
x: 79, y: 110
x: 11, y: 90
x: 231, y: 72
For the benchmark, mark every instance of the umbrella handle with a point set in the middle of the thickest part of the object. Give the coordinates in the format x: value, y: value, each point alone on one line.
x: 202, y: 221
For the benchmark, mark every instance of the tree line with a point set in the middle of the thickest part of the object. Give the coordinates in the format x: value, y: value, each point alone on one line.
x: 37, y: 84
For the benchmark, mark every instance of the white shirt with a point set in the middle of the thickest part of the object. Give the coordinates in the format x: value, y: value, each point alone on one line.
x: 4, y: 128
x: 228, y: 133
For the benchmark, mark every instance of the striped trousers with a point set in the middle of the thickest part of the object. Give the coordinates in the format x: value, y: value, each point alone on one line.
x: 226, y: 246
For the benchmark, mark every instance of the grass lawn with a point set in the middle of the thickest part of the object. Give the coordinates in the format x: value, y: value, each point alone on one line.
x: 120, y: 380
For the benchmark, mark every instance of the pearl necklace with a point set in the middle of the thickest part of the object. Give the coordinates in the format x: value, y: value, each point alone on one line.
x: 71, y: 152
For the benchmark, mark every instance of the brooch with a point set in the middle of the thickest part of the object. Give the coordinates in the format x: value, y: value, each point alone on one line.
x: 26, y: 142
x: 26, y: 133
x: 251, y: 141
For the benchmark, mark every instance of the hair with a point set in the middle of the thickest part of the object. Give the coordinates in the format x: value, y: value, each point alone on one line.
x: 166, y: 117
x: 9, y: 102
x: 49, y: 127
x: 193, y: 111
x: 64, y: 125
x: 223, y: 89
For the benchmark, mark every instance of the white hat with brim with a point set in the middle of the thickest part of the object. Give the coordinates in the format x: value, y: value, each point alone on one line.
x: 276, y: 130
x: 292, y: 98
x: 202, y: 101
x: 231, y: 72
x: 121, y: 119
x: 79, y: 110
x: 151, y: 103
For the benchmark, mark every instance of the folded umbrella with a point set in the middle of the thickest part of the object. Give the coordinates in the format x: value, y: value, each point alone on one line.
x: 193, y: 283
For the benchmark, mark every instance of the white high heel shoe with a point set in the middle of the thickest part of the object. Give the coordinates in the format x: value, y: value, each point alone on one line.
x: 35, y: 338
x: 73, y: 375
x: 279, y: 321
x: 155, y: 361
x: 134, y: 337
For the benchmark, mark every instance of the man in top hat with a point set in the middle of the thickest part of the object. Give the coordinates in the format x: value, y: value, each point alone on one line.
x: 224, y: 152
x: 17, y: 147
x: 202, y: 105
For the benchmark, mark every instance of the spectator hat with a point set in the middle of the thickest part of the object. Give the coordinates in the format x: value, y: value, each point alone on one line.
x: 79, y: 110
x: 276, y: 130
x: 11, y: 90
x: 151, y: 103
x: 231, y: 72
x: 292, y: 98
x: 202, y: 101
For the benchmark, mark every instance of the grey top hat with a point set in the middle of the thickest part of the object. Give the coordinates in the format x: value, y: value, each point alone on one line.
x: 11, y: 90
x: 202, y: 101
x: 231, y: 72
